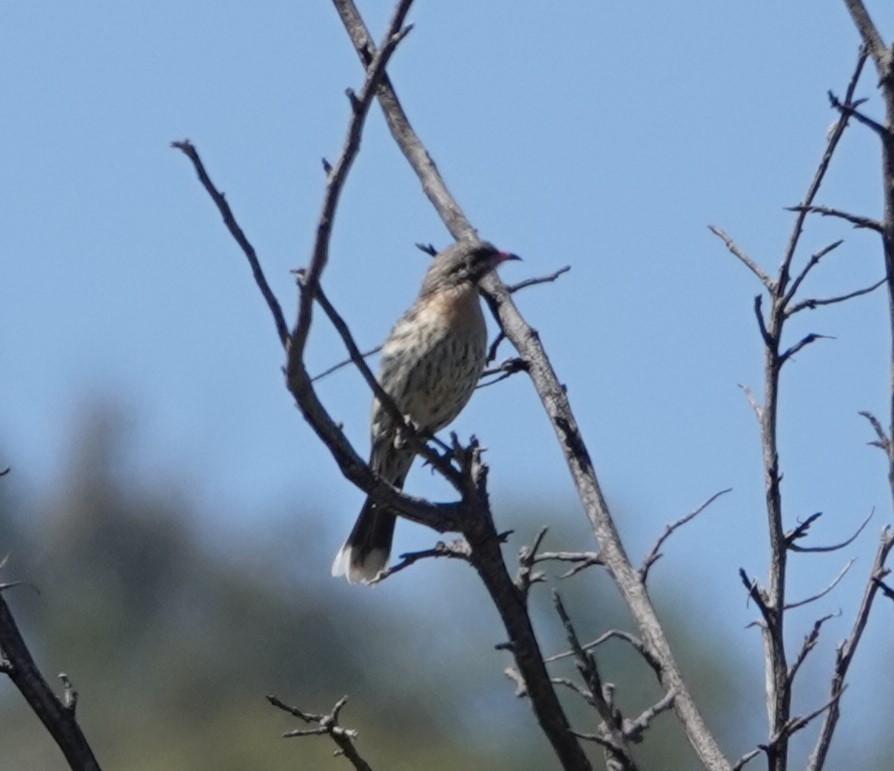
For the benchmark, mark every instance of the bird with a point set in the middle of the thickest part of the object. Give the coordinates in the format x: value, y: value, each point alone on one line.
x: 429, y: 366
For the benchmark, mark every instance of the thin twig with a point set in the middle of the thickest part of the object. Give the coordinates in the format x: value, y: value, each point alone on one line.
x: 813, y: 188
x: 614, y: 634
x: 857, y: 220
x: 612, y: 727
x: 525, y: 576
x: 815, y: 303
x: 654, y: 553
x: 803, y: 342
x: 871, y: 39
x: 823, y: 592
x: 344, y: 363
x: 581, y: 559
x: 833, y: 547
x: 188, y: 149
x: 883, y: 441
x: 744, y: 258
x: 512, y: 288
x: 457, y: 549
x: 811, y: 263
x: 810, y: 641
x: 846, y: 650
x: 851, y: 111
x: 506, y: 370
x: 752, y: 400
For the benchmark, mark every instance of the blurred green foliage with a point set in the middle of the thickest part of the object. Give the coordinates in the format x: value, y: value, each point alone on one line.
x: 173, y: 637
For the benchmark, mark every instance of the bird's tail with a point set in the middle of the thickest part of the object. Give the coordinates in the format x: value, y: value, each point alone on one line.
x: 365, y: 554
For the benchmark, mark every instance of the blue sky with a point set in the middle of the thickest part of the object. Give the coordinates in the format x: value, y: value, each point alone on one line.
x: 604, y: 136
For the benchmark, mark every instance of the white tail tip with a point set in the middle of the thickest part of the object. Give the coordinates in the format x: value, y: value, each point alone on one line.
x: 362, y: 570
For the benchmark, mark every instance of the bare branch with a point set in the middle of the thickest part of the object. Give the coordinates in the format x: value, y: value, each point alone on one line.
x: 375, y: 72
x: 803, y: 342
x: 457, y: 549
x: 754, y: 591
x: 526, y: 560
x: 752, y: 400
x: 188, y: 149
x: 883, y: 442
x: 634, y: 729
x: 745, y: 259
x: 581, y: 560
x: 801, y: 530
x: 834, y: 546
x: 750, y: 755
x: 792, y: 726
x: 58, y: 716
x: 654, y: 553
x: 851, y: 110
x: 811, y: 263
x: 762, y: 324
x: 815, y: 303
x: 494, y: 346
x: 615, y: 634
x: 344, y: 363
x: 823, y: 592
x: 326, y: 725
x: 857, y: 220
x: 810, y: 641
x: 598, y: 695
x: 507, y: 369
x: 512, y: 288
x: 872, y: 41
x: 884, y: 588
x: 813, y: 188
x: 847, y: 649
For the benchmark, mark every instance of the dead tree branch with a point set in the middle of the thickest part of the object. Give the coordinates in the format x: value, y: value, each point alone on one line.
x: 655, y: 552
x: 326, y: 725
x: 57, y: 715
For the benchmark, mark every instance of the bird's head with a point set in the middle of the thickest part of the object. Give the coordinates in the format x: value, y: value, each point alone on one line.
x: 463, y: 262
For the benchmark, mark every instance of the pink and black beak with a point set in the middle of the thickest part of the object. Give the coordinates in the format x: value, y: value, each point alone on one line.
x: 502, y: 257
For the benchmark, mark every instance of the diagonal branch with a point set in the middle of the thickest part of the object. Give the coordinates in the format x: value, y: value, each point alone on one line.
x: 811, y: 263
x: 816, y: 303
x: 458, y: 550
x: 375, y: 71
x: 189, y: 150
x: 850, y: 110
x: 813, y: 188
x: 409, y: 432
x: 744, y: 258
x: 801, y: 531
x: 822, y: 592
x: 547, y: 279
x: 655, y: 552
x: 871, y: 38
x: 58, y: 716
x: 344, y: 363
x: 846, y: 650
